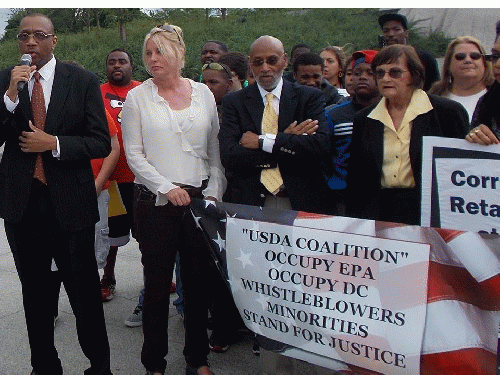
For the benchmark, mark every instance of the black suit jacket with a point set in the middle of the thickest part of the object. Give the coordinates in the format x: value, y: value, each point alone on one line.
x: 76, y: 116
x: 447, y: 119
x: 298, y: 157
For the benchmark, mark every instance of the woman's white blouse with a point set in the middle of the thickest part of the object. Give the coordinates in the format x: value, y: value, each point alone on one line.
x: 160, y: 151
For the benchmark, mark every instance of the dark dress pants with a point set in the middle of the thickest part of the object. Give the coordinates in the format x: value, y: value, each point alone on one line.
x: 34, y: 241
x: 162, y: 231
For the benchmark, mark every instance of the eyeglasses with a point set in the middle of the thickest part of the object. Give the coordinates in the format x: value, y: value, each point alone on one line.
x: 217, y: 66
x: 271, y: 60
x: 169, y: 29
x: 473, y: 55
x: 393, y: 73
x: 39, y: 36
x: 492, y: 58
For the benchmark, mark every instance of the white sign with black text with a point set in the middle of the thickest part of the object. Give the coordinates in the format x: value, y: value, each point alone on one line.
x: 330, y: 293
x: 461, y: 185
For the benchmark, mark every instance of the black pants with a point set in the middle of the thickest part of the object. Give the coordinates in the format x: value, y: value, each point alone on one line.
x: 399, y: 205
x: 163, y: 231
x: 34, y: 241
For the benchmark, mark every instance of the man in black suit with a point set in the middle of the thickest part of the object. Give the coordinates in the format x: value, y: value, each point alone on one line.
x: 301, y: 142
x: 50, y: 209
x: 296, y: 148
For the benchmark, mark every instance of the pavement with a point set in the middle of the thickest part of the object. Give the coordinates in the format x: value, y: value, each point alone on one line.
x: 125, y: 342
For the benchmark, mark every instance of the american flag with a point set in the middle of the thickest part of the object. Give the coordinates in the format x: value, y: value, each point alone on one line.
x: 463, y: 299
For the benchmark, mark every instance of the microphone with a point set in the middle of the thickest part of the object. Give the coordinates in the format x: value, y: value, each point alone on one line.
x: 25, y: 60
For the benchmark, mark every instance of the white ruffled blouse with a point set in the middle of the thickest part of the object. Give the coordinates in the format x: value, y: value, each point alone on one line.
x: 164, y: 146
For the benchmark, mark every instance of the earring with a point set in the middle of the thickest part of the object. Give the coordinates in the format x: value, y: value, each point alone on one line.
x: 450, y: 79
x: 341, y: 74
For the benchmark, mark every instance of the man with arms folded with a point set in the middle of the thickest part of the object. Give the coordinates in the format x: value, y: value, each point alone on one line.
x: 272, y: 138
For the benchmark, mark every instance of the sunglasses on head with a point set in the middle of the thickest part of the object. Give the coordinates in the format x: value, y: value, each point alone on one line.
x: 169, y: 29
x: 217, y: 66
x: 271, y: 60
x: 393, y: 73
x: 39, y: 36
x: 473, y: 55
x: 493, y: 58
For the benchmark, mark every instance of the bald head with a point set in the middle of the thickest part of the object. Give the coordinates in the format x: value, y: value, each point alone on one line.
x: 267, y: 42
x: 267, y: 61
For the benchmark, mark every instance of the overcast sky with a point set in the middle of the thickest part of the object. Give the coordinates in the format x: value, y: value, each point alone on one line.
x: 4, y: 16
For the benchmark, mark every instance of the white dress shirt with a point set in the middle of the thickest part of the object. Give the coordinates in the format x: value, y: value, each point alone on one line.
x: 269, y: 139
x: 166, y: 147
x: 47, y: 73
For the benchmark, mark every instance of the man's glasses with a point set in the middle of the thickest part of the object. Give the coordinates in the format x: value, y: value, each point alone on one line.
x: 271, y: 60
x: 39, y: 36
x: 169, y: 29
x: 217, y: 66
x: 493, y: 58
x: 393, y: 73
x: 473, y: 55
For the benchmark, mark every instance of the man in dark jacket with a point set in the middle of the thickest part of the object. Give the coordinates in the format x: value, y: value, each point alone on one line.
x: 395, y: 31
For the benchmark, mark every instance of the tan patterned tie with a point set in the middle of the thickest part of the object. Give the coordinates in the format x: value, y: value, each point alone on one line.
x: 38, y: 110
x: 270, y: 177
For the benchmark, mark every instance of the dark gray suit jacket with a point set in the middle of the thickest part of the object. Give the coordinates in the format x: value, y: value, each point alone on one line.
x: 76, y: 116
x: 299, y: 157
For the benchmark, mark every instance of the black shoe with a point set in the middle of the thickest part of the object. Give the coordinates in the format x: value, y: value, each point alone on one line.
x: 256, y: 349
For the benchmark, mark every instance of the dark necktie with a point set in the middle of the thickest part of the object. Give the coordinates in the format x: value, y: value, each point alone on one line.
x: 38, y: 110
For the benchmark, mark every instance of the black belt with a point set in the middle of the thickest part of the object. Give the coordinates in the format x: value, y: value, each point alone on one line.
x: 194, y: 192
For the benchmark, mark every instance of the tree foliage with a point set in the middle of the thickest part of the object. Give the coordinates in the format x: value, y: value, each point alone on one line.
x: 74, y: 20
x: 87, y: 36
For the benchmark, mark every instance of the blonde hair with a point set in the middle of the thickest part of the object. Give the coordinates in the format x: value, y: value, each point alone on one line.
x: 445, y: 84
x: 166, y: 37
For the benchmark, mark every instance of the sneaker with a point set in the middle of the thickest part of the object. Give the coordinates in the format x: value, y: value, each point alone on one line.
x: 217, y: 347
x: 134, y: 319
x: 107, y: 289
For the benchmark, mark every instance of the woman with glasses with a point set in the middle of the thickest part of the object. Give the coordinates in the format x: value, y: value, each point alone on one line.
x: 384, y: 172
x: 466, y: 74
x: 170, y: 129
x: 486, y: 120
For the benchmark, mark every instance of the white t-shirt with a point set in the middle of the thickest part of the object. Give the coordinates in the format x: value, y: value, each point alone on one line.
x: 469, y: 102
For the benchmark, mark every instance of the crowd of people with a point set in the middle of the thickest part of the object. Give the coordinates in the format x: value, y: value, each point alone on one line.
x: 337, y: 135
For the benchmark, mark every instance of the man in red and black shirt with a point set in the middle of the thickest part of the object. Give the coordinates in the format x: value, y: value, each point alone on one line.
x: 119, y: 71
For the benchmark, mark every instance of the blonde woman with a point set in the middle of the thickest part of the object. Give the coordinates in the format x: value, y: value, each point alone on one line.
x: 170, y: 129
x: 466, y: 74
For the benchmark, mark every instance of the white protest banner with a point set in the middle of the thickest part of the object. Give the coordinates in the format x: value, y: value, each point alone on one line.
x: 334, y: 294
x: 460, y: 185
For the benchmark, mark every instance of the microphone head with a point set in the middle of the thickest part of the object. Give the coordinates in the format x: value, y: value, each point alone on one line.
x: 26, y: 59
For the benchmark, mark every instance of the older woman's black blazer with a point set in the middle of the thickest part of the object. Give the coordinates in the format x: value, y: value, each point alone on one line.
x: 447, y: 119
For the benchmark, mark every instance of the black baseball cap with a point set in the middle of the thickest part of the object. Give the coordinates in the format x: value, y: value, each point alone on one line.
x: 393, y: 17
